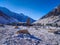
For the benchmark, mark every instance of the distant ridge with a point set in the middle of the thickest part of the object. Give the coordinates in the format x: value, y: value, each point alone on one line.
x: 18, y: 17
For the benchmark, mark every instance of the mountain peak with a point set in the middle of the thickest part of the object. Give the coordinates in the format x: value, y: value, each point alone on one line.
x: 57, y: 9
x: 58, y: 6
x: 54, y: 12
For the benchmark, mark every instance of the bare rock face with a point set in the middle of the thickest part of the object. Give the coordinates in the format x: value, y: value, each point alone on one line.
x: 52, y: 17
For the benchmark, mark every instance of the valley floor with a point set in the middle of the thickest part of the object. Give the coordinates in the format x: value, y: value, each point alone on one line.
x: 38, y: 36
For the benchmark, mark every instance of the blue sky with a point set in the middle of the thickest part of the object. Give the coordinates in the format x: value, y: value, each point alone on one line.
x: 32, y: 8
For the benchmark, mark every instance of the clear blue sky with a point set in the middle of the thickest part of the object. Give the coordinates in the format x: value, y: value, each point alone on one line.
x: 32, y: 8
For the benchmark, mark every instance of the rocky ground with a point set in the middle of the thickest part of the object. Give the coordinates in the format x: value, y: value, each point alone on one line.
x: 37, y: 35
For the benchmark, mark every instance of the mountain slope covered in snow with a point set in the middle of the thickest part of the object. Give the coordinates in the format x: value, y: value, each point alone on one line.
x: 52, y: 17
x: 20, y: 17
x: 5, y: 19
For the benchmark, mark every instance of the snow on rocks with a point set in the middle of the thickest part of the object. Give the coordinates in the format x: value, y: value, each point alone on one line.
x: 8, y: 36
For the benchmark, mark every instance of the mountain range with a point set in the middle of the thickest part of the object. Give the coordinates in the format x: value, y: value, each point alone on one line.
x: 7, y: 16
x: 53, y: 17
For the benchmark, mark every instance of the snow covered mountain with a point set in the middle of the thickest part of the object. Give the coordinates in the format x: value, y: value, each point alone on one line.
x: 5, y: 19
x: 51, y: 18
x: 20, y: 17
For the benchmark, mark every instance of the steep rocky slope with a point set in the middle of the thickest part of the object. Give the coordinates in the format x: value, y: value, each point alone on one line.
x: 52, y: 17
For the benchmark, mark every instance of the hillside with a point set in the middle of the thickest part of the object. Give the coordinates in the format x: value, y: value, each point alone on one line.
x: 20, y: 17
x: 53, y: 17
x: 5, y: 19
